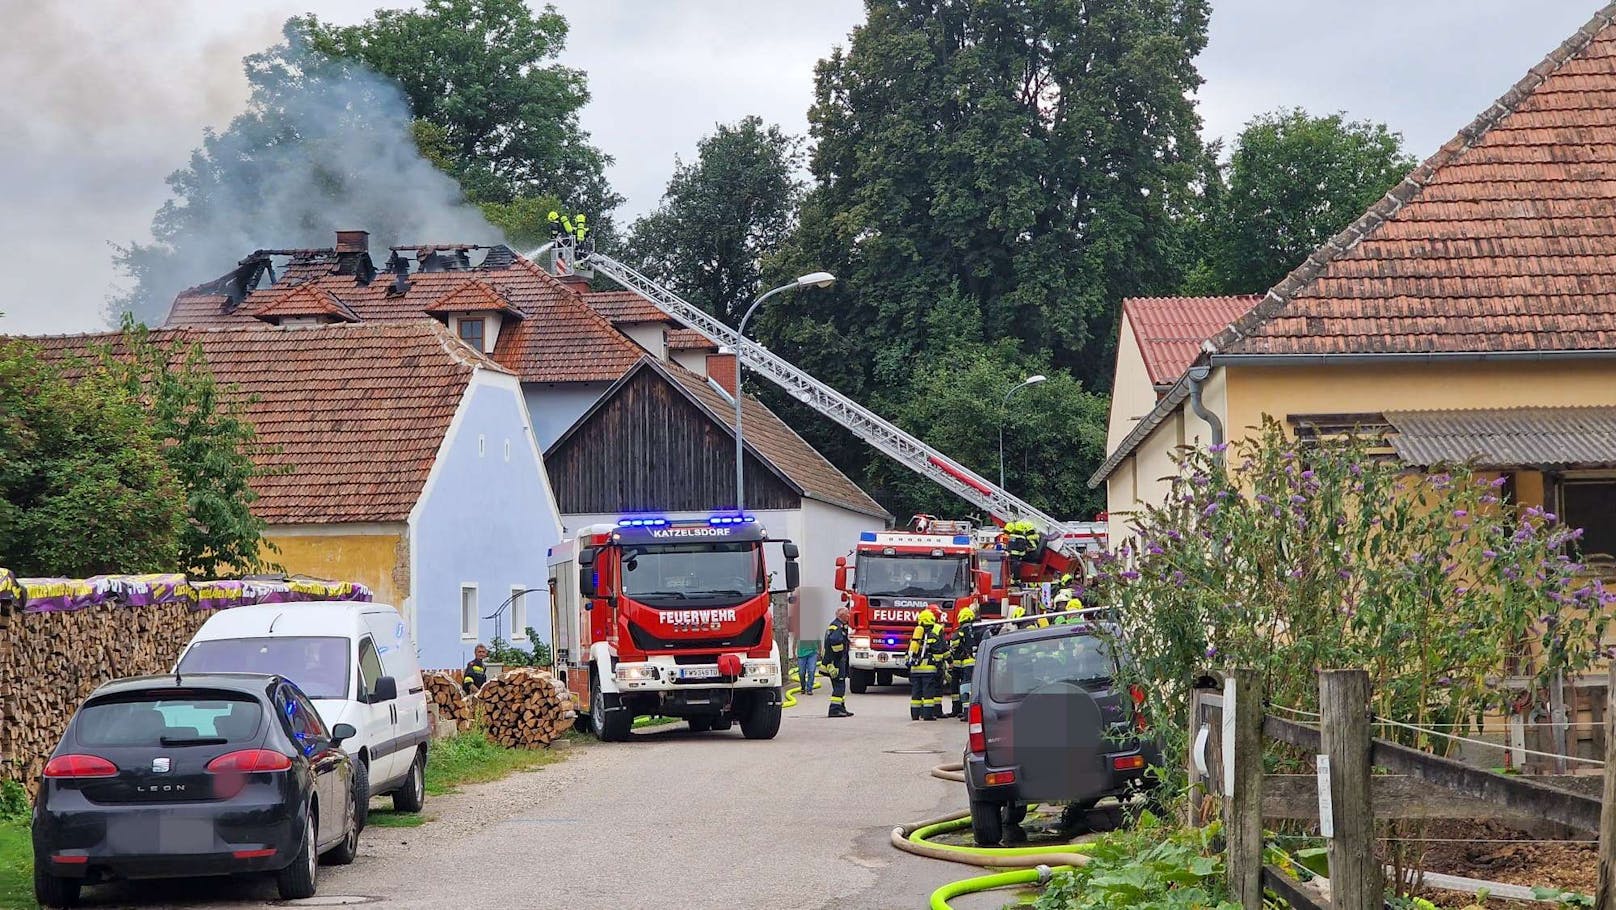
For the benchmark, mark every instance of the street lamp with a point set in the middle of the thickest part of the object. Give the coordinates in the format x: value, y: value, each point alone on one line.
x: 810, y: 280
x: 1030, y: 380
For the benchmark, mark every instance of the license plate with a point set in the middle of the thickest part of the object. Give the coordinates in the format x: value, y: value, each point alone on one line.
x: 185, y: 835
x: 881, y: 658
x: 698, y: 673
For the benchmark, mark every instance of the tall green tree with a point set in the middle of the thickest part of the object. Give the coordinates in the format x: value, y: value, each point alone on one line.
x: 483, y: 73
x: 722, y: 216
x: 1292, y: 182
x: 987, y: 170
x: 206, y: 440
x: 84, y: 486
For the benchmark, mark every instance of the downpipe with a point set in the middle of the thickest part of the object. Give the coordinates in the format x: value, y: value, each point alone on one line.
x: 1197, y: 376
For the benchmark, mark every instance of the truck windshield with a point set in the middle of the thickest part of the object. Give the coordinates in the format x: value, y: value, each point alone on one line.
x: 913, y: 576
x: 686, y: 570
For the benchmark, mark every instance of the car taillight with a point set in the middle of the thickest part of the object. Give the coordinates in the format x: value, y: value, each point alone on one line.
x: 973, y: 727
x: 1128, y: 762
x: 71, y: 766
x: 1139, y: 722
x: 248, y: 761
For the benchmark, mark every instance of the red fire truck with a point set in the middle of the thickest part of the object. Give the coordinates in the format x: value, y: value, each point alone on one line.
x: 652, y: 616
x: 897, y: 574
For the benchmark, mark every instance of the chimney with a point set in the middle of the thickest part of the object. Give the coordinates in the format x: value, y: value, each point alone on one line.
x: 353, y: 256
x: 577, y: 282
x: 721, y: 369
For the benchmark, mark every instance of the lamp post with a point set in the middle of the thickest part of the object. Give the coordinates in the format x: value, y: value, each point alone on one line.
x: 1030, y: 380
x: 810, y: 280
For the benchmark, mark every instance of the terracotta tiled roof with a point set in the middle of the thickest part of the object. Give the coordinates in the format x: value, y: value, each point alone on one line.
x: 625, y: 306
x: 774, y: 441
x: 351, y: 415
x: 1170, y: 330
x: 1503, y: 241
x: 689, y: 340
x: 560, y: 338
x: 307, y: 300
x: 474, y: 296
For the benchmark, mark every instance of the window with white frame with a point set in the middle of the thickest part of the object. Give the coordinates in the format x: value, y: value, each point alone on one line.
x: 518, y: 612
x: 468, y: 612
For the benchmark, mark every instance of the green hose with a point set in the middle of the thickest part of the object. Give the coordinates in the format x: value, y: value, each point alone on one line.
x: 1038, y: 876
x: 923, y: 834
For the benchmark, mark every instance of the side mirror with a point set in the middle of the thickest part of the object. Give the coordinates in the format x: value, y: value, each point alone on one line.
x: 793, y: 575
x: 586, y: 581
x: 841, y: 573
x: 586, y: 557
x: 342, y: 732
x: 386, y: 690
x: 790, y: 550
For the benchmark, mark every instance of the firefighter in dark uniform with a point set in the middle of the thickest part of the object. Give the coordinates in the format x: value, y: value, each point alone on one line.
x: 925, y: 652
x: 836, y: 660
x: 962, y: 657
x: 476, y: 674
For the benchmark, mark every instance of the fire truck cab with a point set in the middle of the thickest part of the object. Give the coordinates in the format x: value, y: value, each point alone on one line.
x: 672, y: 618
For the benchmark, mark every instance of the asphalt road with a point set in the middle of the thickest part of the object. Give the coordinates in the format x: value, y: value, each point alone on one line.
x: 669, y: 820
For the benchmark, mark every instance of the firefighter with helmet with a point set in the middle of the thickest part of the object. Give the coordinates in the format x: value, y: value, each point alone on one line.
x: 835, y: 661
x: 925, y: 653
x: 962, y: 655
x: 1021, y: 538
x: 1066, y: 599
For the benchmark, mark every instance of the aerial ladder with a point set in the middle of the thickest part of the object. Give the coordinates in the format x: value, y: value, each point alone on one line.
x: 1063, y: 542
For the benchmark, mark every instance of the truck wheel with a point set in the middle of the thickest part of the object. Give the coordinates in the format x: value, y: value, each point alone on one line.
x: 987, y: 828
x: 762, y: 718
x: 859, y: 680
x: 883, y: 677
x: 609, y: 726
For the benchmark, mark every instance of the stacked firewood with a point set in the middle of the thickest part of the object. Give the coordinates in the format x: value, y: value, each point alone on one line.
x: 50, y: 661
x: 449, y: 698
x: 526, y: 708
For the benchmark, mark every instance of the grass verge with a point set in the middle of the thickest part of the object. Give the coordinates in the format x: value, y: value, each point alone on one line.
x: 16, y: 866
x: 387, y: 818
x: 472, y: 758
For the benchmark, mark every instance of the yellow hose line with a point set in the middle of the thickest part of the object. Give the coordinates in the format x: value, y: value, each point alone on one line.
x: 913, y: 839
x: 1039, y: 875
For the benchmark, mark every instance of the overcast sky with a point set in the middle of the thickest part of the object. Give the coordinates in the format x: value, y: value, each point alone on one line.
x: 103, y: 99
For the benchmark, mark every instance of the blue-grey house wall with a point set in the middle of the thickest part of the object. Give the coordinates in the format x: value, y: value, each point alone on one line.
x: 556, y: 406
x: 487, y: 518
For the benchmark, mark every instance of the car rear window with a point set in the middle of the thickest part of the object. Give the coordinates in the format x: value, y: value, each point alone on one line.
x: 319, y: 665
x: 167, y: 719
x: 1014, y: 671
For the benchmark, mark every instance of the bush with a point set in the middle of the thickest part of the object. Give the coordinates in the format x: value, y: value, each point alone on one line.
x: 1144, y: 869
x: 504, y: 652
x: 13, y: 802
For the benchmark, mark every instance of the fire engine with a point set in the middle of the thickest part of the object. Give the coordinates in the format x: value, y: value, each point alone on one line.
x: 897, y: 574
x: 652, y: 616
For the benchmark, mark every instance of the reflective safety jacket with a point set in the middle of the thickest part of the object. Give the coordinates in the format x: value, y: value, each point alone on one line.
x: 925, y: 647
x: 476, y: 676
x: 963, y: 652
x: 834, y: 659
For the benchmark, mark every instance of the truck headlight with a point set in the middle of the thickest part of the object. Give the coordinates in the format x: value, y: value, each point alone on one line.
x: 861, y: 641
x: 761, y: 668
x: 636, y: 673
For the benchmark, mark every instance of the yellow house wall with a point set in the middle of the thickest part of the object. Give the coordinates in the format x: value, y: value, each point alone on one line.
x: 1132, y: 395
x: 378, y: 560
x: 1146, y: 475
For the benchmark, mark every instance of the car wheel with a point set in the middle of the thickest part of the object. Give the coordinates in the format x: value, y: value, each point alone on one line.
x: 412, y: 796
x: 344, y: 853
x: 986, y: 827
x: 762, y: 717
x: 297, y: 880
x: 361, y: 794
x: 54, y: 890
x: 700, y: 724
x: 859, y: 680
x: 610, y: 726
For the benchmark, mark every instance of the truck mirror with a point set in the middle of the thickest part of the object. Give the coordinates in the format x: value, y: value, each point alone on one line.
x: 790, y: 550
x: 841, y: 562
x: 586, y: 557
x: 586, y: 581
x: 841, y: 574
x: 793, y: 575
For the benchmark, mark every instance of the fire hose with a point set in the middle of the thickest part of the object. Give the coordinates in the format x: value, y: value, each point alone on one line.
x: 1029, y: 865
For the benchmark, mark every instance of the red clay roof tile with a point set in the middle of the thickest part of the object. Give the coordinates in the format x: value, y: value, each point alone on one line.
x: 625, y: 306
x: 307, y: 300
x: 1170, y: 330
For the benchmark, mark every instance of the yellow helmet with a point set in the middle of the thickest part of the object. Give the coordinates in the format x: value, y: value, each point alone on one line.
x: 967, y: 614
x: 1018, y: 612
x: 927, y: 617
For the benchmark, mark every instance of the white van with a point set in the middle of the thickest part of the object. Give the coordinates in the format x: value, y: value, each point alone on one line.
x: 355, y: 660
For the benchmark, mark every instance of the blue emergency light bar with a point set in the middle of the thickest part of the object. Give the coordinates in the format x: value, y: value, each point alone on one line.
x: 731, y: 520
x: 641, y: 522
x: 867, y: 536
x: 962, y: 539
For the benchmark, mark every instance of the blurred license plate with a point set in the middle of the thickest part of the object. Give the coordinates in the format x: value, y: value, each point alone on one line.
x: 698, y: 673
x: 881, y: 658
x: 185, y: 835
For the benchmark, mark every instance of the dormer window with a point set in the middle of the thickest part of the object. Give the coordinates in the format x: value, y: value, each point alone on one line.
x: 471, y: 332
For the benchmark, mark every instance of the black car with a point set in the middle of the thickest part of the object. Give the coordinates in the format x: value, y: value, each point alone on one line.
x: 1048, y: 723
x: 205, y: 774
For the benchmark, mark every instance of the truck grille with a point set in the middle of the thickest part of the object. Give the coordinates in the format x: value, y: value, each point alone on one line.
x: 646, y: 640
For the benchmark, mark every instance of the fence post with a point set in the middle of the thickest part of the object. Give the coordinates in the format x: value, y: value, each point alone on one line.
x: 1244, y: 824
x: 1355, y: 873
x: 1606, y: 896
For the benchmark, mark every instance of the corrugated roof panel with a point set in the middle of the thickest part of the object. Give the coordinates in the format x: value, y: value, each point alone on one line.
x: 1508, y: 437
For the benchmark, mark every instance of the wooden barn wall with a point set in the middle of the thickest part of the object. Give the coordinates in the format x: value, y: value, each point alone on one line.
x: 650, y: 450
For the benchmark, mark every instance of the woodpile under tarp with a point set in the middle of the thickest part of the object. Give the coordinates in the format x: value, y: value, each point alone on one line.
x: 526, y: 708
x: 449, y: 699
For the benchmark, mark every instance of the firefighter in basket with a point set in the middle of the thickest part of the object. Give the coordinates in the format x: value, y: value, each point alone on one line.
x: 834, y: 662
x: 925, y: 651
x: 962, y: 656
x: 1021, y: 538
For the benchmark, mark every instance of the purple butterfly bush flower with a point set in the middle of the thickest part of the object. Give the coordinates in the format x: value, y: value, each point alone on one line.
x: 1211, y: 651
x: 1218, y: 448
x: 1297, y: 499
x: 1511, y: 573
x: 1154, y: 550
x: 1355, y: 469
x: 1264, y: 498
x: 1130, y: 575
x: 1499, y: 482
x: 1460, y: 513
x: 1490, y: 554
x: 1307, y: 474
x: 1296, y: 573
x: 1210, y: 510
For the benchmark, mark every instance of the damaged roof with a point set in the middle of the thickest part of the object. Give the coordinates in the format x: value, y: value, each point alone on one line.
x: 350, y: 417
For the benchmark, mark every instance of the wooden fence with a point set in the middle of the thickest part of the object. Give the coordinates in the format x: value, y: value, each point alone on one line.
x: 1227, y: 732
